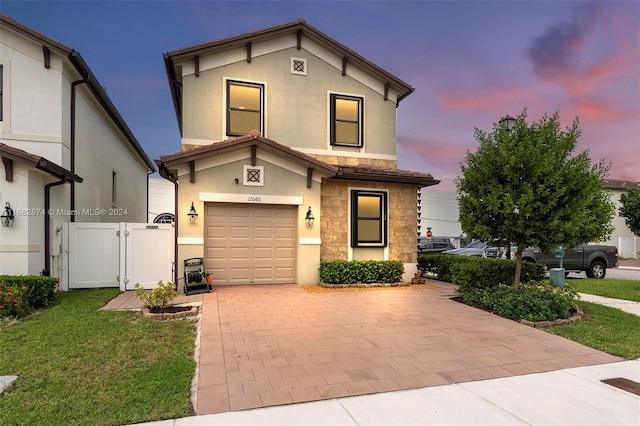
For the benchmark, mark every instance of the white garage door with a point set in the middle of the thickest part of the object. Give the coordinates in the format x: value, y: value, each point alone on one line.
x: 250, y: 243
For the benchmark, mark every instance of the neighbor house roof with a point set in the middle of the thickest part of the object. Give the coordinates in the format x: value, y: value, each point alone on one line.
x: 620, y: 184
x: 362, y: 173
x: 10, y: 154
x: 83, y: 69
x: 299, y: 27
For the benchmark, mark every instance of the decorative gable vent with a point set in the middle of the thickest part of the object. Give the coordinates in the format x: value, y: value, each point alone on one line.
x: 253, y: 176
x: 298, y: 66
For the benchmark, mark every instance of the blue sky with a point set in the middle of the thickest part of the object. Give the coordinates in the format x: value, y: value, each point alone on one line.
x: 470, y: 62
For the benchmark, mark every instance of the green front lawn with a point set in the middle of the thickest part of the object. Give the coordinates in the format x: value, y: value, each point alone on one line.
x: 78, y: 365
x: 607, y: 329
x: 617, y: 289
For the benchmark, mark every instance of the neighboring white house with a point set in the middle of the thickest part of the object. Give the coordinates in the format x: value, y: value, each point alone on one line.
x: 440, y: 212
x: 67, y: 154
x: 162, y: 196
x: 622, y: 237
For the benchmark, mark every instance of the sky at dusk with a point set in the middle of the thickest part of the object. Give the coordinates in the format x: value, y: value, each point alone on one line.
x: 470, y: 63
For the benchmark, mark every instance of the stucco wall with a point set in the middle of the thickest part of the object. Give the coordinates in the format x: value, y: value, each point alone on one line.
x: 100, y: 150
x: 335, y: 221
x: 217, y: 175
x: 296, y: 106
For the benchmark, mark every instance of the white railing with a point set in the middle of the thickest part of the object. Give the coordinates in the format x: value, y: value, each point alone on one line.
x: 628, y: 247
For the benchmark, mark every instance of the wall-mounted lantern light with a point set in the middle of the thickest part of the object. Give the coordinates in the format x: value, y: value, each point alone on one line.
x: 508, y: 122
x: 7, y: 216
x: 309, y: 218
x: 193, y: 214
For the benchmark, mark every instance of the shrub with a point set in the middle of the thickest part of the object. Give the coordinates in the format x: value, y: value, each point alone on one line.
x: 159, y: 297
x: 439, y: 264
x: 477, y: 271
x: 532, y: 301
x: 12, y: 301
x: 40, y: 292
x: 361, y: 272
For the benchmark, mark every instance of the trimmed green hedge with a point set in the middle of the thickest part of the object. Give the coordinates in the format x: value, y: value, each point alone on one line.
x: 477, y: 271
x: 361, y: 272
x: 531, y: 302
x: 19, y: 295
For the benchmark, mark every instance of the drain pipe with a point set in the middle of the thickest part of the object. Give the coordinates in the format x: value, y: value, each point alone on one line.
x: 47, y: 225
x: 72, y: 143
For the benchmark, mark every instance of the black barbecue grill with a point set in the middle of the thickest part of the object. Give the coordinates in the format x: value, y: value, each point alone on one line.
x: 195, y: 276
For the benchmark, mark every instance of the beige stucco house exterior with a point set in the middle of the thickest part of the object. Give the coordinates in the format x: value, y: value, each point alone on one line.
x: 277, y: 125
x: 67, y: 154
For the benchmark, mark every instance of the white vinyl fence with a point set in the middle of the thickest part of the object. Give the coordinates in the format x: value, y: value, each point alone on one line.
x: 628, y: 247
x: 116, y: 255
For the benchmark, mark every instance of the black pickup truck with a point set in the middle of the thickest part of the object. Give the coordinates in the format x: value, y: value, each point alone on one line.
x: 593, y: 259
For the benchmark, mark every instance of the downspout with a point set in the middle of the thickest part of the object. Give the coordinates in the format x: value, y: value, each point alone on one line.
x: 47, y: 225
x: 72, y: 141
x: 175, y: 244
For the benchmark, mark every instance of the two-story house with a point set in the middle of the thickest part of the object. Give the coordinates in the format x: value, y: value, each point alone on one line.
x: 67, y: 154
x: 288, y: 157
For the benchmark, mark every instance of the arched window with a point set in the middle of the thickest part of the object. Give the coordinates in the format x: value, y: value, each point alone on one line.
x: 165, y: 218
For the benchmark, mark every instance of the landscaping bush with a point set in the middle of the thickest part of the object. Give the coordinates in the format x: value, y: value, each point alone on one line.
x: 29, y: 292
x: 160, y: 297
x: 361, y: 272
x: 532, y: 301
x: 439, y: 264
x: 477, y: 271
x: 483, y: 273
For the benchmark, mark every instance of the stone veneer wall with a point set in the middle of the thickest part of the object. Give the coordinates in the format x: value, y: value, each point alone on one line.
x: 334, y: 220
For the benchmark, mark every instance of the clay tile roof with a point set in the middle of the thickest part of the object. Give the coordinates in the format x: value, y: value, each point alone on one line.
x: 379, y: 174
x: 32, y: 160
x: 253, y: 138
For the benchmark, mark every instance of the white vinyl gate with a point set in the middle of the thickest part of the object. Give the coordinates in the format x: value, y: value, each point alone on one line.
x: 117, y: 255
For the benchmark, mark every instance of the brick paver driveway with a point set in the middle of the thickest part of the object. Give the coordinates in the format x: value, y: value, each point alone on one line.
x: 278, y: 344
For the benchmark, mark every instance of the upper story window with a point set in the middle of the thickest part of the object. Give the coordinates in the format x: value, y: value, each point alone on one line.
x: 368, y: 218
x: 347, y: 117
x: 245, y: 108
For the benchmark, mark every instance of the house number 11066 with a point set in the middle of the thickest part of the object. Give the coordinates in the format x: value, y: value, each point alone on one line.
x: 254, y: 199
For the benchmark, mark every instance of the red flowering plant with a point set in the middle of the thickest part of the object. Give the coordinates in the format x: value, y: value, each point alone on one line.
x: 12, y: 303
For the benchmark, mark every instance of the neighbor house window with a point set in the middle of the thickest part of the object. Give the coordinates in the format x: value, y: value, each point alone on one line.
x: 113, y: 186
x: 368, y: 218
x: 347, y: 120
x: 245, y: 108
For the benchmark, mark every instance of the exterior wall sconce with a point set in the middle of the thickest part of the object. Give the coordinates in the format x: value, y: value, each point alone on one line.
x: 193, y: 214
x: 508, y: 122
x: 7, y: 216
x: 309, y: 218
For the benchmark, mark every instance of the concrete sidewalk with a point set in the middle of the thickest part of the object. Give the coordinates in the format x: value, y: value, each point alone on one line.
x: 574, y: 396
x: 624, y: 305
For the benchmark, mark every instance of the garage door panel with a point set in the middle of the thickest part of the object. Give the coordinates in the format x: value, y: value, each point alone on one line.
x: 248, y: 244
x: 285, y: 233
x: 263, y: 232
x: 241, y: 232
x: 215, y: 254
x: 216, y: 232
x: 263, y: 253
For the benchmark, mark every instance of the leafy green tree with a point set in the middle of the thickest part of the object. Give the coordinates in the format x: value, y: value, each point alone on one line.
x: 630, y: 209
x: 524, y: 185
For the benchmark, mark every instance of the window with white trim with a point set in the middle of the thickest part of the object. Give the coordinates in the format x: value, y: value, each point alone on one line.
x: 1, y: 91
x: 368, y: 218
x: 347, y: 120
x: 245, y: 108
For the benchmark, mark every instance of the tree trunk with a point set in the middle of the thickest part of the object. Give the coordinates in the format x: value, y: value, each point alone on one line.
x: 516, y: 277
